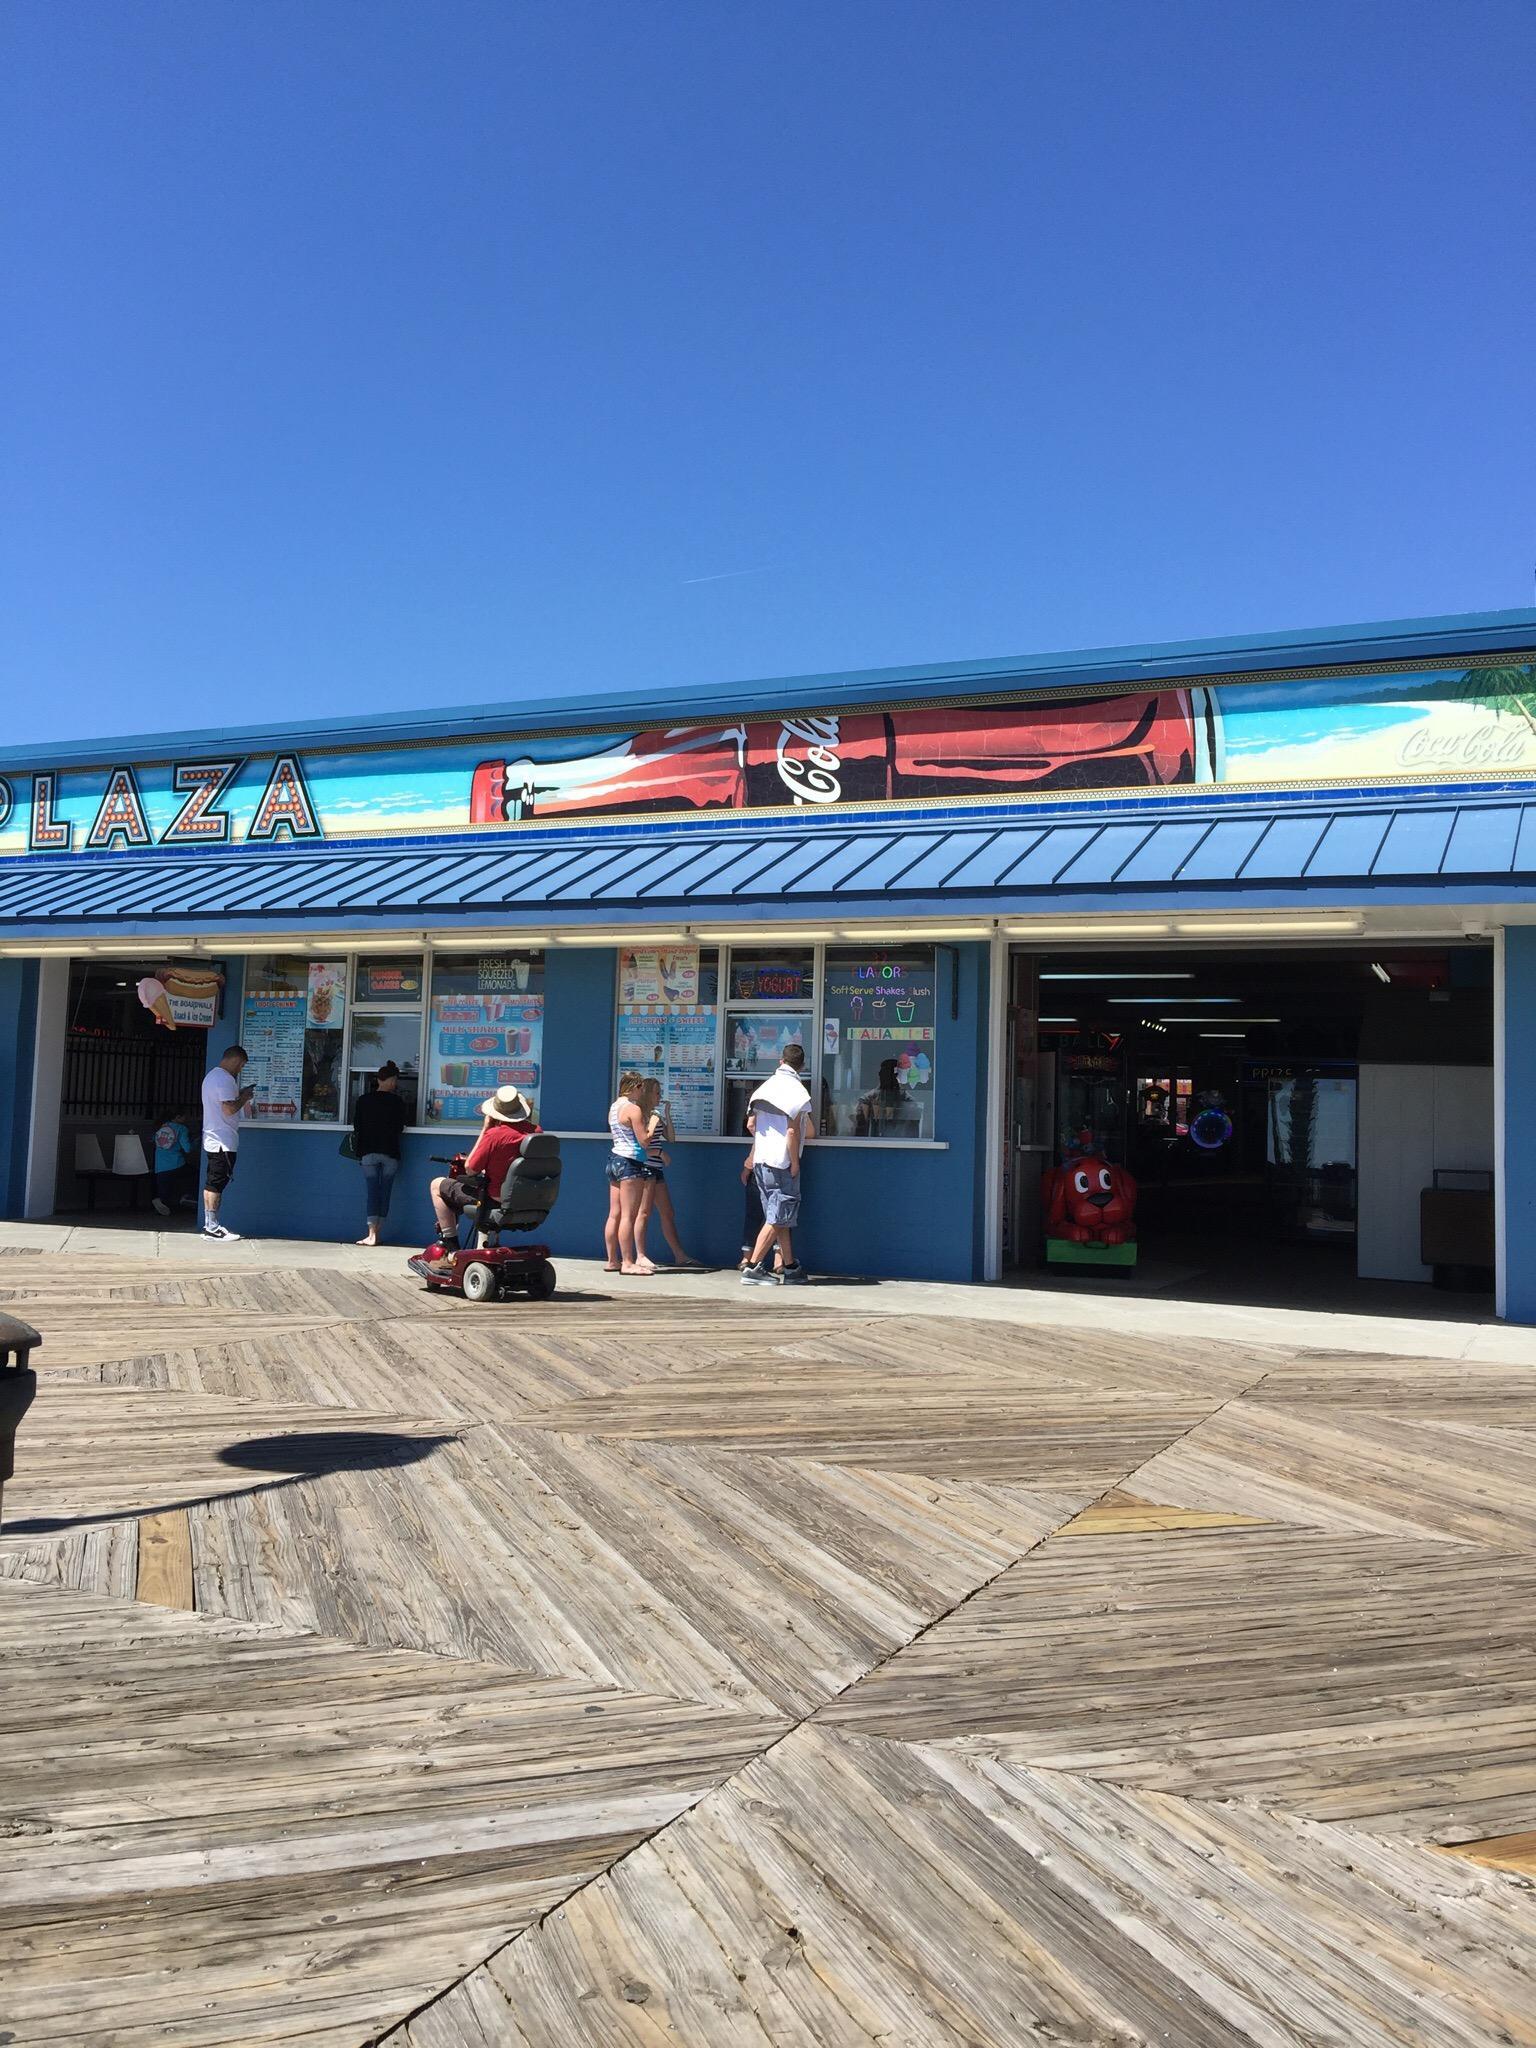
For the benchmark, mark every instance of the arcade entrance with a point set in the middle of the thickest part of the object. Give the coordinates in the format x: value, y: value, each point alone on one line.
x: 1300, y: 1126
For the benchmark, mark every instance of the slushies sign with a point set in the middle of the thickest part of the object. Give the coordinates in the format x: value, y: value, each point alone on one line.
x: 1310, y: 732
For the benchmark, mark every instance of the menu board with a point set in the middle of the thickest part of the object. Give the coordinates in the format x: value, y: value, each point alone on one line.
x: 674, y: 1043
x: 272, y: 1032
x: 481, y: 1040
x: 755, y: 1039
x: 658, y: 974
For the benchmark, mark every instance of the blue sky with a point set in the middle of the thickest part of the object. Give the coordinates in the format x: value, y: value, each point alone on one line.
x: 395, y: 355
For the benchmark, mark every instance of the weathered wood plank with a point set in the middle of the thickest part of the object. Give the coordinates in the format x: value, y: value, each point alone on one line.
x: 1340, y: 1677
x: 165, y: 1560
x: 854, y: 1892
x: 276, y: 1839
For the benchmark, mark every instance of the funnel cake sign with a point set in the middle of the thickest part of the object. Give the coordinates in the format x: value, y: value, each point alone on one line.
x: 1309, y: 733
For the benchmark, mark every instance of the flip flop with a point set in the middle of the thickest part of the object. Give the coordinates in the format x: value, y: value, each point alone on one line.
x: 641, y: 1269
x: 689, y: 1266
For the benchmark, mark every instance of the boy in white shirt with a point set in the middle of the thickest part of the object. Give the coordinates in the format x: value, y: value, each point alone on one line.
x: 224, y: 1103
x: 781, y: 1129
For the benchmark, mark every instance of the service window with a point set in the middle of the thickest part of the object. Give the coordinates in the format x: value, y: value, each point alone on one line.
x: 293, y: 1024
x: 668, y: 1028
x: 772, y: 1004
x: 485, y: 1028
x: 388, y: 993
x: 877, y: 1042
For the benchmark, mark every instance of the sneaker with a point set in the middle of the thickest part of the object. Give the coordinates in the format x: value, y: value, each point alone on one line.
x: 795, y: 1275
x: 217, y: 1230
x: 758, y: 1276
x: 160, y: 1208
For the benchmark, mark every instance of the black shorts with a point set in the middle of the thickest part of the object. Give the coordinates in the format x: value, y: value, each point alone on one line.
x: 462, y: 1190
x: 221, y: 1170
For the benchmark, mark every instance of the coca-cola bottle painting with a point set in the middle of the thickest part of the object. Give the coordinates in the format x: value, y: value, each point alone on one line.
x: 816, y: 759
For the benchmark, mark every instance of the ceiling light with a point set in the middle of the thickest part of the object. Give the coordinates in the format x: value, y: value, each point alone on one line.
x: 1141, y: 928
x: 503, y: 942
x: 765, y: 935
x: 1070, y: 974
x: 1380, y: 972
x: 1225, y: 1020
x: 1038, y: 1020
x: 876, y: 935
x: 1223, y: 1034
x: 1144, y: 999
x: 628, y: 940
x: 1215, y: 926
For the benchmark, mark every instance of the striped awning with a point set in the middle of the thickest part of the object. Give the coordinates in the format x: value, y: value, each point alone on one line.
x: 1006, y: 863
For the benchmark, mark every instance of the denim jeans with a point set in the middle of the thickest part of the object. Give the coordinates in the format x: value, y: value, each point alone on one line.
x: 379, y: 1171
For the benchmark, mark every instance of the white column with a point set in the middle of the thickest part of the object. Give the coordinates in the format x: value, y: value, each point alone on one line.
x: 47, y: 1086
x: 995, y: 1131
x: 1500, y: 1178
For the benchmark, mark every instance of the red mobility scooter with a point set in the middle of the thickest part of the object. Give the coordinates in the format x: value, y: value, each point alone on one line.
x: 487, y: 1269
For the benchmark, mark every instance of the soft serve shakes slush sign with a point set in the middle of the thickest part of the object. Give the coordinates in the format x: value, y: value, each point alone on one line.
x: 1311, y: 731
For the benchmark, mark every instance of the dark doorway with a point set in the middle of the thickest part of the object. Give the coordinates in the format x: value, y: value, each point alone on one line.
x: 1281, y: 1113
x: 124, y: 1076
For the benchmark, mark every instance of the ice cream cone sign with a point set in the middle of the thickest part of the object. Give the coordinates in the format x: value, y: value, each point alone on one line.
x: 188, y: 985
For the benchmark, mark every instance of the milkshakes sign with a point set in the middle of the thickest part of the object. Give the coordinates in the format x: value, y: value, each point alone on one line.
x: 1354, y: 729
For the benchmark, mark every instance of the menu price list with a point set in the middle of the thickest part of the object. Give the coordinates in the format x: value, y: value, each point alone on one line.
x: 675, y: 1045
x: 482, y: 1041
x: 272, y: 1032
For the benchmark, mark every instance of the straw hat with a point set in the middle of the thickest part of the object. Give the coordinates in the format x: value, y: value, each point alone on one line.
x: 508, y: 1106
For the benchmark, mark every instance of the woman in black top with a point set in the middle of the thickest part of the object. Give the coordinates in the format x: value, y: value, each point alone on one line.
x: 377, y: 1122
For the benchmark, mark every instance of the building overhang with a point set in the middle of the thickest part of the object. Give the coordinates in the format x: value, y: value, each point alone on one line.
x: 1426, y: 859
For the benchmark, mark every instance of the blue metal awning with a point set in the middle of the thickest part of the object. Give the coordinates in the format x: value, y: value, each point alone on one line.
x: 1126, y: 854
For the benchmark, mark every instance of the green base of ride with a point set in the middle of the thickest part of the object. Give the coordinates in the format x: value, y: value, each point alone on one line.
x: 1061, y: 1251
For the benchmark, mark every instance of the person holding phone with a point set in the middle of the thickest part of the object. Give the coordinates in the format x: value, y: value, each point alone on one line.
x: 224, y: 1103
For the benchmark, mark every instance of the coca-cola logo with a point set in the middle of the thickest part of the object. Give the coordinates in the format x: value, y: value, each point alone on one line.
x: 811, y: 775
x: 1484, y: 746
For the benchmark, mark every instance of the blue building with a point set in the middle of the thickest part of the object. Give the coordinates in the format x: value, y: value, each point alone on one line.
x: 1253, y: 921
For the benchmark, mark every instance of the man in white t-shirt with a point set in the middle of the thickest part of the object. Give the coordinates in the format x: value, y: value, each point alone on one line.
x: 224, y: 1103
x: 781, y: 1129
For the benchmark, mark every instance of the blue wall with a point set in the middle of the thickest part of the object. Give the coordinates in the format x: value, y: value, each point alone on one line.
x: 1517, y: 1168
x: 882, y: 1213
x: 18, y: 1033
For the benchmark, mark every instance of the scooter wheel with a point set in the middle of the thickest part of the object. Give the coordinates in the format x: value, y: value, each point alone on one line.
x: 480, y: 1282
x: 541, y: 1281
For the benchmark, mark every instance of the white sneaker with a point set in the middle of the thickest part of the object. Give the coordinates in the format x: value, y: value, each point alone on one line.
x: 160, y: 1208
x: 217, y: 1230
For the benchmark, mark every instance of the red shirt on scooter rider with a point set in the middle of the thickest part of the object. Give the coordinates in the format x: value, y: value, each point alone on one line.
x: 509, y: 1119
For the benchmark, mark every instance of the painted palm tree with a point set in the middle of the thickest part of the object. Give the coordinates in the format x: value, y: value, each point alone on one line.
x: 1510, y: 688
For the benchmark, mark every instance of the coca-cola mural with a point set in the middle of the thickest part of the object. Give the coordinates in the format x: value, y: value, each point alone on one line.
x: 1139, y: 742
x: 1429, y: 726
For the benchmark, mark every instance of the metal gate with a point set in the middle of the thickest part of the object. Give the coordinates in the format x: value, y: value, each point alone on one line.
x: 133, y: 1080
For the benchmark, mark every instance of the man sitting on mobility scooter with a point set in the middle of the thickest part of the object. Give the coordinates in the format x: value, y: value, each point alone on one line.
x: 495, y: 1192
x: 509, y: 1119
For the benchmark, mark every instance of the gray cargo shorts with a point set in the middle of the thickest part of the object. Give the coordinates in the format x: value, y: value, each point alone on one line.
x: 779, y: 1191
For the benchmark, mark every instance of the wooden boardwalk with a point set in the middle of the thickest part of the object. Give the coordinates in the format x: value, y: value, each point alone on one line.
x: 636, y: 1672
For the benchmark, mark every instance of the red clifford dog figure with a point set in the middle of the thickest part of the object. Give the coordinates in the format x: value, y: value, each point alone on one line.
x: 1088, y: 1201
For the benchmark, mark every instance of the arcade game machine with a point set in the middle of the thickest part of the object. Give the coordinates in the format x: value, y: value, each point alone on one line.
x: 1089, y: 1198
